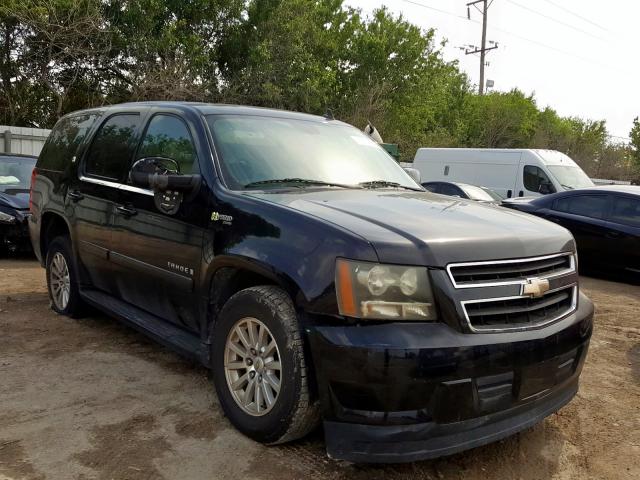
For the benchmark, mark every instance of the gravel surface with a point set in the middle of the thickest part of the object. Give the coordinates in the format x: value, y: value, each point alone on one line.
x: 92, y: 399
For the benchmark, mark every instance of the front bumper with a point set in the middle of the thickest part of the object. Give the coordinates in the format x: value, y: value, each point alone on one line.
x: 411, y: 391
x: 15, y: 236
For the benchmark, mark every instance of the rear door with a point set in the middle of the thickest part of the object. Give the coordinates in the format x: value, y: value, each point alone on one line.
x: 94, y: 192
x: 158, y: 254
x: 623, y: 232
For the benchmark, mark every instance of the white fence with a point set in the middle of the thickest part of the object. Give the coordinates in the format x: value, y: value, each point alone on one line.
x: 28, y: 141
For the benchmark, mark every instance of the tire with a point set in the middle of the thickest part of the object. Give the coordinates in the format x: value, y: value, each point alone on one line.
x: 292, y: 413
x: 59, y: 260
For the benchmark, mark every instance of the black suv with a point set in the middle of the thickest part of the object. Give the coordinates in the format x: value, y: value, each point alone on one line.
x: 315, y: 278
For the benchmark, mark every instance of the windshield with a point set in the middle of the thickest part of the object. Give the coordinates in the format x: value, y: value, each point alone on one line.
x: 570, y: 177
x: 481, y: 194
x: 15, y: 173
x: 256, y: 150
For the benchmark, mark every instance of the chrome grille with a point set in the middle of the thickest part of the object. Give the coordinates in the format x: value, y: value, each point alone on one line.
x: 504, y: 272
x: 517, y: 294
x: 519, y: 312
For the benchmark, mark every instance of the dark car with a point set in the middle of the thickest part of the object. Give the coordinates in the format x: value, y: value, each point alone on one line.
x: 464, y: 190
x: 605, y: 222
x: 296, y: 259
x: 15, y: 176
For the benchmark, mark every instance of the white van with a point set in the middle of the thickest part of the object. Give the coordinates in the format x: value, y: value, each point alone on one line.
x: 509, y: 172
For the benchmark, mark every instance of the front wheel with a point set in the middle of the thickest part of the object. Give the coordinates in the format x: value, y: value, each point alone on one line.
x: 259, y: 368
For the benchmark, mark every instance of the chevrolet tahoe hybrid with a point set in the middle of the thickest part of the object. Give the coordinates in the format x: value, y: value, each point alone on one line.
x: 317, y: 280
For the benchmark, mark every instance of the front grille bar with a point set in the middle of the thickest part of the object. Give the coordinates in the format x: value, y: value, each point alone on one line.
x: 472, y: 309
x: 510, y: 272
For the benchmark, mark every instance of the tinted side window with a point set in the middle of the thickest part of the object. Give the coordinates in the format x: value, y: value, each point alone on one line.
x: 593, y: 206
x: 533, y: 177
x: 168, y: 136
x: 112, y: 147
x: 431, y: 187
x: 64, y: 140
x: 450, y: 190
x: 626, y: 210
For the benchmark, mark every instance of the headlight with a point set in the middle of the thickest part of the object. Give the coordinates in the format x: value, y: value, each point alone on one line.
x: 383, y: 292
x: 6, y: 218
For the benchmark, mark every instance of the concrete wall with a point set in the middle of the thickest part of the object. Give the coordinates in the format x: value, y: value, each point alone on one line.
x: 28, y: 141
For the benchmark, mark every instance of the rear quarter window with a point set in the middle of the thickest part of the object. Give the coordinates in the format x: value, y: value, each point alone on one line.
x: 626, y: 211
x: 64, y: 140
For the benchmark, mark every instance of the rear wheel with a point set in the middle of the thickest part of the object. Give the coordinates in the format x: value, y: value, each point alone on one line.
x: 61, y: 278
x: 259, y: 368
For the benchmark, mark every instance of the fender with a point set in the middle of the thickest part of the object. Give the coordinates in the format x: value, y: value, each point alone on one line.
x: 227, y: 266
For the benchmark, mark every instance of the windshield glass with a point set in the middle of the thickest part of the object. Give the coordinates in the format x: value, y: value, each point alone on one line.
x: 480, y: 193
x: 570, y: 177
x: 258, y: 149
x: 15, y: 173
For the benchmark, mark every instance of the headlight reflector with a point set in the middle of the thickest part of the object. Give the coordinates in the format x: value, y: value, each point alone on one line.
x: 6, y: 218
x: 383, y: 292
x: 409, y: 282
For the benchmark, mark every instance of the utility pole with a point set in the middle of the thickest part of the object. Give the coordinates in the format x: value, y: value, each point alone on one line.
x: 483, y: 48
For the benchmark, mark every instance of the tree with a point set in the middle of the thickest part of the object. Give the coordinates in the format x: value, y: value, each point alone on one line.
x: 394, y: 76
x: 166, y: 49
x: 49, y: 50
x: 287, y: 54
x: 634, y: 136
x: 57, y: 56
x: 499, y: 120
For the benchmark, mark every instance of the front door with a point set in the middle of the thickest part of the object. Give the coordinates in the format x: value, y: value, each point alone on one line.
x: 158, y: 253
x: 535, y: 182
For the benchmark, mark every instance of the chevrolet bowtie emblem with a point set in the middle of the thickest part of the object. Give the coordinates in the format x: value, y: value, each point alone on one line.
x: 535, y: 287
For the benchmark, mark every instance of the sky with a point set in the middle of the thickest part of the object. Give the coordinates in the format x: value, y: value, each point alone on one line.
x: 579, y: 57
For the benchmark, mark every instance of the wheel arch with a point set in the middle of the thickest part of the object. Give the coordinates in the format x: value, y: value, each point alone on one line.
x: 230, y: 274
x: 52, y: 225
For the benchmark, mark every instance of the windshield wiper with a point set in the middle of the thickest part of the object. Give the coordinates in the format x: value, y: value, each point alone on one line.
x: 385, y: 183
x: 300, y: 181
x: 566, y: 186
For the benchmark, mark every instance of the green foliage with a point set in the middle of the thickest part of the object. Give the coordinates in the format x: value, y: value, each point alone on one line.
x: 499, y: 120
x: 57, y: 56
x: 634, y: 135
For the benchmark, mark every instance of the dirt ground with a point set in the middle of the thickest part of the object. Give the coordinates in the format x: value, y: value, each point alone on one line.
x: 92, y: 399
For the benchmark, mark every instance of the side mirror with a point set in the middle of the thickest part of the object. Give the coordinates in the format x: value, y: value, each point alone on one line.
x: 414, y: 173
x: 161, y: 174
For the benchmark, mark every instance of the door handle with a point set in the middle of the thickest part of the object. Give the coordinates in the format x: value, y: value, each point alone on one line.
x: 75, y: 196
x: 613, y: 234
x: 125, y: 211
x: 521, y: 193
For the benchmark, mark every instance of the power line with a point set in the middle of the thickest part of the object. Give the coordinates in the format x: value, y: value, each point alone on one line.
x: 577, y: 15
x: 560, y: 22
x: 525, y: 39
x: 428, y: 7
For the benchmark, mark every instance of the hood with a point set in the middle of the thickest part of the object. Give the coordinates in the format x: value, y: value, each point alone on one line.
x: 18, y: 199
x: 421, y: 228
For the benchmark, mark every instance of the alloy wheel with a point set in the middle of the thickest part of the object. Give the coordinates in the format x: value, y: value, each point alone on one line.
x: 252, y: 366
x: 60, y: 281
